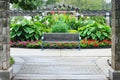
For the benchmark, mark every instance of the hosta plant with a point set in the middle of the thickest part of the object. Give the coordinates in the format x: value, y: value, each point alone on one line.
x: 24, y: 30
x: 95, y: 31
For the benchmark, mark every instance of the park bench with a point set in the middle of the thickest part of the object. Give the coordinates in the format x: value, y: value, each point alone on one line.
x: 61, y: 38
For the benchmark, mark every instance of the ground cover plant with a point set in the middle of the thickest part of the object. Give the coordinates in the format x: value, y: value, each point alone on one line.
x: 11, y: 61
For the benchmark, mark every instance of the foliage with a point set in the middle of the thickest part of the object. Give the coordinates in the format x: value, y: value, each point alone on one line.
x: 82, y: 4
x: 31, y: 4
x: 59, y: 27
x: 72, y: 22
x: 83, y: 43
x: 98, y: 19
x: 95, y: 31
x: 89, y: 27
x: 94, y: 43
x: 11, y: 60
x: 73, y: 31
x: 89, y: 4
x: 51, y: 20
x: 34, y: 44
x: 27, y: 4
x: 25, y: 30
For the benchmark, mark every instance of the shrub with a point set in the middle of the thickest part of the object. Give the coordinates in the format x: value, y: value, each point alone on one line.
x: 95, y: 31
x: 11, y: 60
x: 73, y: 31
x: 24, y: 30
x: 60, y: 27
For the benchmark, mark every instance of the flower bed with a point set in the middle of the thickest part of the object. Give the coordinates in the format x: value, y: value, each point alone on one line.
x: 83, y: 43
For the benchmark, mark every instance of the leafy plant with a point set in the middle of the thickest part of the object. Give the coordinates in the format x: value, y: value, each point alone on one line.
x: 60, y: 27
x: 99, y: 19
x: 11, y: 60
x: 73, y: 31
x: 95, y: 31
x: 24, y: 30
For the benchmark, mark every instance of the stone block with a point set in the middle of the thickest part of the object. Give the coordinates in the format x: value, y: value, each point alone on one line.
x: 6, y: 74
x: 2, y: 5
x: 114, y: 74
x: 3, y: 14
x: 3, y: 22
x: 1, y: 47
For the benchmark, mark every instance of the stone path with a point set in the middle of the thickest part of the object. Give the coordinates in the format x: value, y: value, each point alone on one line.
x: 65, y: 64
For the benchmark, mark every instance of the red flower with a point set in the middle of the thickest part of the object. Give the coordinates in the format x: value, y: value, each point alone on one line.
x: 89, y: 41
x: 96, y: 45
x: 84, y: 41
x: 106, y: 41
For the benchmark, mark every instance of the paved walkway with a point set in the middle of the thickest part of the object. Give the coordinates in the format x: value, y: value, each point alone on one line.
x: 86, y: 64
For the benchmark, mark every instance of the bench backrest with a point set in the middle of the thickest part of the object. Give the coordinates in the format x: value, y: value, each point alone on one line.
x: 61, y: 37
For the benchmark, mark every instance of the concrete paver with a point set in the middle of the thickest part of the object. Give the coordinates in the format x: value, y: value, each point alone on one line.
x: 86, y: 64
x: 34, y: 52
x: 62, y: 52
x: 86, y: 52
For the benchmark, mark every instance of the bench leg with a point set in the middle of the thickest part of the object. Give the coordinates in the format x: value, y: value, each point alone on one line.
x: 42, y: 46
x: 79, y: 46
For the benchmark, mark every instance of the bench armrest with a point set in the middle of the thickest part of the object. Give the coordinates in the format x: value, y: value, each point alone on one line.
x: 79, y: 38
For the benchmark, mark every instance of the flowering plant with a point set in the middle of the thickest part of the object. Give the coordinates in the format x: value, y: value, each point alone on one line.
x: 83, y: 43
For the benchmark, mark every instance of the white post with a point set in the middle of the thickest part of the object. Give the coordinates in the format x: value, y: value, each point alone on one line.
x: 108, y: 18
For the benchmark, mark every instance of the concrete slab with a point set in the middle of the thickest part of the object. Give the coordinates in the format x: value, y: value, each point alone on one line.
x: 6, y: 74
x: 86, y: 64
x: 103, y: 65
x: 34, y: 52
x: 86, y: 52
x: 59, y: 77
x: 61, y: 52
x: 59, y: 60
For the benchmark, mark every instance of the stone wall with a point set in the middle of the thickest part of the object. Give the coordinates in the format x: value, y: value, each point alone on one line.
x: 116, y: 34
x: 4, y: 35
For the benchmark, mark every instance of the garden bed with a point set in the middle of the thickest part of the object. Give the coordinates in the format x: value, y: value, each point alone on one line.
x: 83, y: 43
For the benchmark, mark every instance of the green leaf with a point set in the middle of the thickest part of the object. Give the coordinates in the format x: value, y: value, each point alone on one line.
x: 105, y: 34
x: 93, y: 36
x: 16, y: 28
x: 27, y: 36
x: 102, y: 37
x: 36, y: 37
x: 92, y: 29
x: 85, y: 32
x: 98, y: 33
x: 28, y: 30
x: 89, y: 32
x: 100, y: 26
x: 19, y: 33
x: 107, y: 28
x: 31, y: 30
x: 12, y: 34
x: 24, y: 22
x: 25, y: 29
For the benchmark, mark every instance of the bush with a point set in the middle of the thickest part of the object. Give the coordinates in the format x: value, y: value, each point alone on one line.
x: 95, y: 31
x: 11, y: 60
x: 24, y: 30
x: 73, y: 31
x: 60, y: 27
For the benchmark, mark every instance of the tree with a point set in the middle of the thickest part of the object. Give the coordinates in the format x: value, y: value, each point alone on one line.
x: 27, y: 4
x: 31, y: 4
x: 88, y: 4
